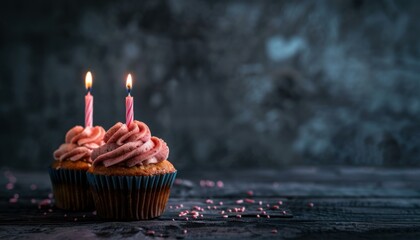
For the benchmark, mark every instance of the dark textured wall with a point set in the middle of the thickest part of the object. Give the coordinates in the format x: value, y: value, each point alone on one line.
x: 225, y: 83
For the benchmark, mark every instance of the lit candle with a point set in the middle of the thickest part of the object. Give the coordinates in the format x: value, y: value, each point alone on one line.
x: 88, y: 101
x: 129, y: 112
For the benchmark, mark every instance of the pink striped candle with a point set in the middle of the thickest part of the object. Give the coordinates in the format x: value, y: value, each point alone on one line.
x: 88, y: 101
x: 129, y: 111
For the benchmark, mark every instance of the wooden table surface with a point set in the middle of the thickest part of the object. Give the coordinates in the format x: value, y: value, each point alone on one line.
x: 297, y: 203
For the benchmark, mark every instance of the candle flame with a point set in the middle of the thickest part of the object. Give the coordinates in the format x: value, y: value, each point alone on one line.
x: 129, y: 82
x: 88, y: 80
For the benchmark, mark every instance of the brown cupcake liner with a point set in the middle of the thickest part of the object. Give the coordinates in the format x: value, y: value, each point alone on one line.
x: 71, y: 189
x: 130, y: 197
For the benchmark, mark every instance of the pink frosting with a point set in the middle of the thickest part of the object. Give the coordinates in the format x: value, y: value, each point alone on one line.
x: 79, y: 143
x: 130, y: 146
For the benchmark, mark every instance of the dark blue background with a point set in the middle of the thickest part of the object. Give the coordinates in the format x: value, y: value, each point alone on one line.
x: 228, y: 84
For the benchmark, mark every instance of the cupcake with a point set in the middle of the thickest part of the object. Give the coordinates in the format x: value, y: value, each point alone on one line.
x: 68, y: 171
x: 130, y: 177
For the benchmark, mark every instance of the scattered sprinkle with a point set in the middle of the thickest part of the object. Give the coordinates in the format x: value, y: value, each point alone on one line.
x: 238, y: 216
x: 15, y: 195
x: 220, y: 184
x: 33, y: 200
x: 274, y: 231
x: 311, y: 204
x: 275, y: 207
x: 221, y: 203
x: 222, y: 212
x: 94, y: 213
x: 225, y: 216
x: 75, y: 219
x: 150, y: 232
x: 173, y: 219
x: 50, y: 210
x: 209, y: 201
x: 250, y: 193
x: 249, y: 200
x: 258, y: 215
x: 260, y: 202
x: 13, y: 200
x: 50, y: 195
x: 240, y: 201
x: 44, y: 202
x: 65, y: 215
x: 84, y: 215
x: 10, y: 186
x: 280, y: 202
x: 184, y: 231
x: 268, y: 216
x: 45, y: 213
x: 260, y: 209
x: 284, y: 212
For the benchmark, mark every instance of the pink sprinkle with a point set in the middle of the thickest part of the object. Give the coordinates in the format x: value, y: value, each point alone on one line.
x: 220, y: 184
x: 249, y: 200
x: 220, y: 203
x: 65, y: 215
x: 45, y: 213
x: 258, y: 215
x: 13, y: 200
x: 185, y: 231
x: 222, y: 212
x: 170, y: 207
x: 239, y: 201
x: 33, y: 187
x: 229, y: 210
x: 10, y: 186
x: 173, y: 219
x: 275, y: 207
x: 150, y: 232
x: 250, y: 193
x: 50, y: 195
x: 186, y: 219
x: 214, y: 207
x: 264, y: 213
x: 44, y: 202
x: 94, y: 213
x: 225, y: 216
x: 274, y: 231
x: 209, y: 201
x: 50, y: 210
x: 75, y: 219
x: 202, y: 183
x: 284, y: 212
x: 208, y: 207
x: 311, y: 205
x: 181, y: 205
x: 268, y: 205
x: 280, y: 202
x: 201, y: 215
x: 210, y: 183
x: 238, y: 216
x: 260, y: 202
x: 260, y: 209
x: 268, y: 216
x: 33, y: 200
x: 195, y: 217
x: 12, y: 179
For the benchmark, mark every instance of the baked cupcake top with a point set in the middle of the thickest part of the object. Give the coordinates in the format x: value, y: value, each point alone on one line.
x: 79, y: 143
x: 131, y: 146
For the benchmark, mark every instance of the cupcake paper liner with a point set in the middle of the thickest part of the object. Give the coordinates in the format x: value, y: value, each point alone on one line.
x: 130, y: 197
x: 71, y: 189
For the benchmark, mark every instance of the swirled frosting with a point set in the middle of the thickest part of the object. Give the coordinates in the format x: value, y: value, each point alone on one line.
x: 79, y: 143
x: 130, y: 146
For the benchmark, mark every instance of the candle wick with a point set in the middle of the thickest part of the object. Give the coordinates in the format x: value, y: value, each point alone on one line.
x: 88, y: 89
x: 129, y: 91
